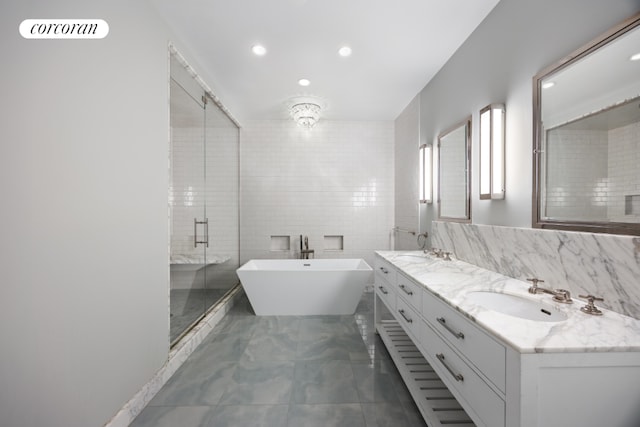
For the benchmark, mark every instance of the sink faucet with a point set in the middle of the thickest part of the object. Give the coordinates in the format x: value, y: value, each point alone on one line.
x: 559, y: 295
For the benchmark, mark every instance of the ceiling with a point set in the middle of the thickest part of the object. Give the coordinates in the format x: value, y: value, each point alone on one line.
x: 397, y: 48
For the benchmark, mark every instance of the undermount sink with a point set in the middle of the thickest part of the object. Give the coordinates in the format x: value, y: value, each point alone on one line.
x: 516, y: 306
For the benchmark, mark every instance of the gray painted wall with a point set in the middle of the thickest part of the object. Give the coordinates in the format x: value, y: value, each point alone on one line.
x: 83, y: 182
x: 496, y: 64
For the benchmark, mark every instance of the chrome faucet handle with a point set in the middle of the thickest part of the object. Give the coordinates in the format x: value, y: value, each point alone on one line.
x: 590, y: 308
x: 533, y: 289
x: 447, y: 256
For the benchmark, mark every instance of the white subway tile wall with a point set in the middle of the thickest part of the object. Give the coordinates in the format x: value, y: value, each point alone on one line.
x: 333, y: 180
x: 211, y: 192
x: 407, y: 137
x: 597, y: 171
x: 624, y: 171
x: 577, y: 187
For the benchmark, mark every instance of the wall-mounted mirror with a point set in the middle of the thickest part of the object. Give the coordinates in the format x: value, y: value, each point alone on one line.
x: 587, y: 137
x: 453, y: 173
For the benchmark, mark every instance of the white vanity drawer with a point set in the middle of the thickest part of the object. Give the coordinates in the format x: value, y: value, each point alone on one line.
x: 386, y: 294
x: 480, y: 399
x: 408, y: 318
x: 385, y: 270
x: 487, y: 355
x: 410, y: 291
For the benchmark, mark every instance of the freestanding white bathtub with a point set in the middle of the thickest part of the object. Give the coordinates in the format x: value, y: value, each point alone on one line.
x: 304, y: 286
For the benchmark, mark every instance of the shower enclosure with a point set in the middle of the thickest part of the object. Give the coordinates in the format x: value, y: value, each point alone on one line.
x: 203, y: 201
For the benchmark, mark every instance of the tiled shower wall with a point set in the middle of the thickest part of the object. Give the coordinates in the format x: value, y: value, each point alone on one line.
x: 407, y: 142
x: 624, y: 173
x: 604, y: 265
x: 597, y: 173
x: 334, y: 180
x: 190, y: 193
x: 577, y: 187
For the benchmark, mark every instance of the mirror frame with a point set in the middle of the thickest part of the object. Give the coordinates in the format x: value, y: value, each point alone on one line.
x: 569, y: 225
x: 467, y: 124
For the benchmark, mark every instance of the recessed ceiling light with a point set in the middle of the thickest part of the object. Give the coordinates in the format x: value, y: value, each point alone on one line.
x: 259, y: 50
x: 635, y: 57
x: 547, y: 85
x: 344, y: 51
x: 304, y: 82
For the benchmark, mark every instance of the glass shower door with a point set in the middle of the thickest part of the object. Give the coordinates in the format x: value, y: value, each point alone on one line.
x: 222, y: 201
x: 187, y: 205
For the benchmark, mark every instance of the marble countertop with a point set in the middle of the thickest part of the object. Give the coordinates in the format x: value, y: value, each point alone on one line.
x: 451, y: 281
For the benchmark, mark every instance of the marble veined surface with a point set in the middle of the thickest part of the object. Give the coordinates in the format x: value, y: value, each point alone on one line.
x: 197, y: 258
x: 451, y: 281
x: 603, y: 265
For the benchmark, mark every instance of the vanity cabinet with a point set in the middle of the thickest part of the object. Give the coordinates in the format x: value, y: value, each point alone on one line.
x: 461, y: 374
x: 385, y: 279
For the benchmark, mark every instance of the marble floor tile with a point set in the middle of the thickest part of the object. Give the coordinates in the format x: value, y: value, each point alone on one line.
x: 334, y: 415
x: 384, y: 414
x: 196, y: 383
x: 249, y: 416
x: 335, y: 347
x: 235, y: 325
x: 325, y: 381
x: 260, y: 382
x: 271, y: 347
x: 289, y: 325
x: 275, y: 371
x: 414, y: 417
x: 314, y: 327
x: 171, y: 416
x: 374, y: 382
x: 221, y: 347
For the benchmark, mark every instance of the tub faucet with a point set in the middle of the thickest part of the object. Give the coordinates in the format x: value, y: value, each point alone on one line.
x: 304, y: 253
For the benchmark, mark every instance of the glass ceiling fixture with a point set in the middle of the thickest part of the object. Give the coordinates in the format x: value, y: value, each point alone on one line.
x: 305, y: 110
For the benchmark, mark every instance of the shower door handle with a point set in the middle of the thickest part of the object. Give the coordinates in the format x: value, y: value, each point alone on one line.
x: 195, y: 232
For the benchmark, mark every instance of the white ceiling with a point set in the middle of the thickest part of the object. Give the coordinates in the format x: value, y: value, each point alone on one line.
x: 398, y: 46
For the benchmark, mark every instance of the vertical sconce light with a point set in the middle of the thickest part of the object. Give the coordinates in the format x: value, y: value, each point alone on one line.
x: 492, y: 124
x: 426, y: 173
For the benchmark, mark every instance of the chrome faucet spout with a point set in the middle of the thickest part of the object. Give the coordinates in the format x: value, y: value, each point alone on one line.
x: 559, y: 295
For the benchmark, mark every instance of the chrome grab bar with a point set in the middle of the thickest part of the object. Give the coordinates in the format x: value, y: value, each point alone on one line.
x: 458, y: 377
x: 456, y: 334
x: 195, y: 232
x: 404, y: 288
x: 408, y: 319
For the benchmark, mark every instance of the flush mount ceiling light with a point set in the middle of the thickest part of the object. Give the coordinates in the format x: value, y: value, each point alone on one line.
x: 305, y: 110
x: 344, y: 51
x: 304, y: 82
x: 635, y: 57
x: 259, y: 50
x: 547, y: 85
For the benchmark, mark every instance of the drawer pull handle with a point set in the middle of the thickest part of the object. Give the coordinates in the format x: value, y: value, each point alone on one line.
x: 408, y: 319
x: 383, y: 290
x: 404, y: 288
x: 456, y: 334
x: 458, y: 377
x: 384, y: 270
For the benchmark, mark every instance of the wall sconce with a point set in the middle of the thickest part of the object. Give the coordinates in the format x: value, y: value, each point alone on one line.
x: 492, y: 130
x: 426, y: 173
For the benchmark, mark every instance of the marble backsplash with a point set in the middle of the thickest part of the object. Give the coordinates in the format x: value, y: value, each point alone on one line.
x: 606, y: 266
